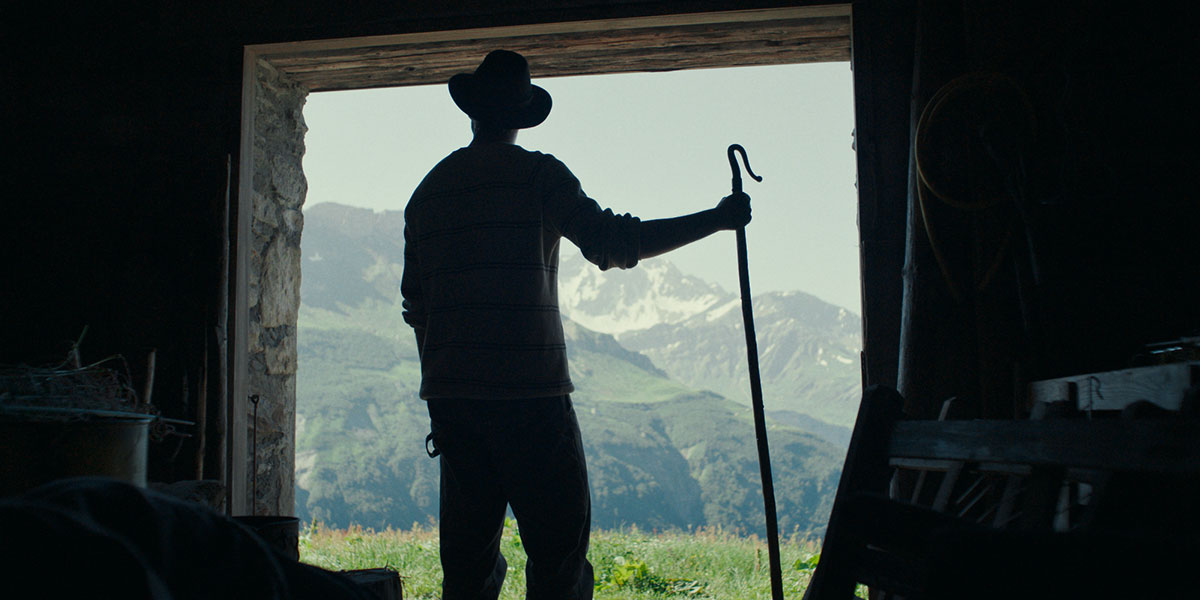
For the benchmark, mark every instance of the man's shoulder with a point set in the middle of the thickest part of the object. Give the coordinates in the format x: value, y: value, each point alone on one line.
x: 535, y: 159
x: 492, y: 163
x: 483, y: 159
x: 473, y: 168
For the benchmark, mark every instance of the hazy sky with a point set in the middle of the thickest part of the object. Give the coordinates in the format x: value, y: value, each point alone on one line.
x: 651, y: 144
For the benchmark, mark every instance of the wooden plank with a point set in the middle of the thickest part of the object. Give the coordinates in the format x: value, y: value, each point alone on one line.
x: 373, y: 77
x: 923, y: 464
x: 839, y: 10
x: 1004, y: 469
x: 949, y: 480
x: 695, y: 58
x: 584, y: 50
x: 438, y: 68
x: 1159, y: 445
x: 237, y: 457
x: 550, y: 45
x: 1008, y: 501
x: 1163, y: 385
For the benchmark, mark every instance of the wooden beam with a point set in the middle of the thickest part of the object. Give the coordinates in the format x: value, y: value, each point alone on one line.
x: 883, y: 71
x: 733, y: 55
x: 1150, y: 445
x: 237, y: 455
x: 736, y: 38
x: 1163, y: 385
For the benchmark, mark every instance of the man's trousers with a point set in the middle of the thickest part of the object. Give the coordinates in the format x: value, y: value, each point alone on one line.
x: 526, y: 454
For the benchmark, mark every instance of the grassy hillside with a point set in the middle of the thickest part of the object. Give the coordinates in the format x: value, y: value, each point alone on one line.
x: 659, y: 455
x: 630, y: 564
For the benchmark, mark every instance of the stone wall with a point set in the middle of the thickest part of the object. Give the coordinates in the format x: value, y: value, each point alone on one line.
x: 274, y: 286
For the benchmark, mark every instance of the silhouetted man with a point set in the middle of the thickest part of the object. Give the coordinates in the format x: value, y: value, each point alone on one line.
x: 480, y: 288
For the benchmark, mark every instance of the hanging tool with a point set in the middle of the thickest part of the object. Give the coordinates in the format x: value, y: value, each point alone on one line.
x: 760, y: 419
x: 254, y: 458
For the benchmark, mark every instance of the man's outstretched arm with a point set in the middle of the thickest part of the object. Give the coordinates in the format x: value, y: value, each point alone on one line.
x: 660, y: 236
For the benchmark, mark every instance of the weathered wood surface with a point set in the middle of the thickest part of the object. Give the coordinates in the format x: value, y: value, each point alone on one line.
x: 1163, y: 385
x: 660, y: 48
x: 1150, y: 445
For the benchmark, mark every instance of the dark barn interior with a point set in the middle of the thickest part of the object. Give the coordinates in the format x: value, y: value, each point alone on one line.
x: 1024, y: 210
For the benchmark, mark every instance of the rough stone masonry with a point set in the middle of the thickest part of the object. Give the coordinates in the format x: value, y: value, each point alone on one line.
x: 274, y: 286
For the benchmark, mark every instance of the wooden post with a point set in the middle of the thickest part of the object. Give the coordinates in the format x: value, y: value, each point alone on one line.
x: 148, y: 388
x: 866, y: 471
x: 202, y: 412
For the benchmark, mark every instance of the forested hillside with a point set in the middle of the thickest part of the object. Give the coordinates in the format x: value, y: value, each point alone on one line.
x: 660, y: 453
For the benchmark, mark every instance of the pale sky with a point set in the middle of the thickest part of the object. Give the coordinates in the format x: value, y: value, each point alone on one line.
x: 650, y: 144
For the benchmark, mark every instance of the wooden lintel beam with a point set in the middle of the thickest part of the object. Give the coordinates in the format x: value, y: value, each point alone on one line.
x: 366, y: 78
x: 630, y: 49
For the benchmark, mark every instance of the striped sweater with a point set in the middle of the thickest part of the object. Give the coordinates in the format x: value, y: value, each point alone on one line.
x: 480, y: 280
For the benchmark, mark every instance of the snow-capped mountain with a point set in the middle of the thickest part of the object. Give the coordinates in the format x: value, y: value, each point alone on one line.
x: 692, y: 330
x: 808, y: 354
x: 616, y: 301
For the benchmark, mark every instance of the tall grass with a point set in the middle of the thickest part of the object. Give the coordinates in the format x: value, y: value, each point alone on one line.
x: 630, y: 564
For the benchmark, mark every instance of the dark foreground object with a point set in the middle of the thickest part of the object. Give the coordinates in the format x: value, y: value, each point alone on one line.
x: 39, y: 447
x: 384, y: 583
x: 1053, y: 508
x: 101, y: 538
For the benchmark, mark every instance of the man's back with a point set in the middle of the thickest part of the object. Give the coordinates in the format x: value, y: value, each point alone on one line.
x: 483, y: 230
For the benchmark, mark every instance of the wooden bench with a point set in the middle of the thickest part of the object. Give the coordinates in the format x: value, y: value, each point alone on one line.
x: 1064, y: 507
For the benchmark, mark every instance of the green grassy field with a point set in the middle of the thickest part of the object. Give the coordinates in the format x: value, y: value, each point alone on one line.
x: 629, y: 564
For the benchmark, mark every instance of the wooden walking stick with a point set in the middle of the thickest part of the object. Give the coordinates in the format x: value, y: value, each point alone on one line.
x: 760, y: 419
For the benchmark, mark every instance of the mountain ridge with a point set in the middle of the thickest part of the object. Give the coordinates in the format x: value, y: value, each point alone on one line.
x: 661, y: 452
x: 689, y: 329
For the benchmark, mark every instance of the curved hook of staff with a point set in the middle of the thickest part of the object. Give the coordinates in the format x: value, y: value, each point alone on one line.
x: 733, y: 165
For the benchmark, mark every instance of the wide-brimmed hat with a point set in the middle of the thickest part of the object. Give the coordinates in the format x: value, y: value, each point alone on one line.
x: 499, y: 92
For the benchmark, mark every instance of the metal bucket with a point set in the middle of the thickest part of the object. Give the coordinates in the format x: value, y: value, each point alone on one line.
x: 40, y: 445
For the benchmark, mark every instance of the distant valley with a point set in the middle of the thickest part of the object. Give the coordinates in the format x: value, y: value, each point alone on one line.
x: 668, y: 433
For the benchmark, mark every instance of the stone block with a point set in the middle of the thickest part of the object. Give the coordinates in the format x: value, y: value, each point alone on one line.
x: 293, y: 221
x: 287, y: 179
x: 276, y: 481
x: 266, y: 211
x: 279, y: 289
x: 275, y: 440
x: 277, y: 394
x: 280, y: 350
x: 252, y: 294
x: 255, y: 335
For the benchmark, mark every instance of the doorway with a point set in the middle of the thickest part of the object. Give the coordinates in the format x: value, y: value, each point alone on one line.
x: 277, y: 79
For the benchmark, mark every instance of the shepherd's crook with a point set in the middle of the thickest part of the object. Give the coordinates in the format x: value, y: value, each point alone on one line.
x: 760, y: 420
